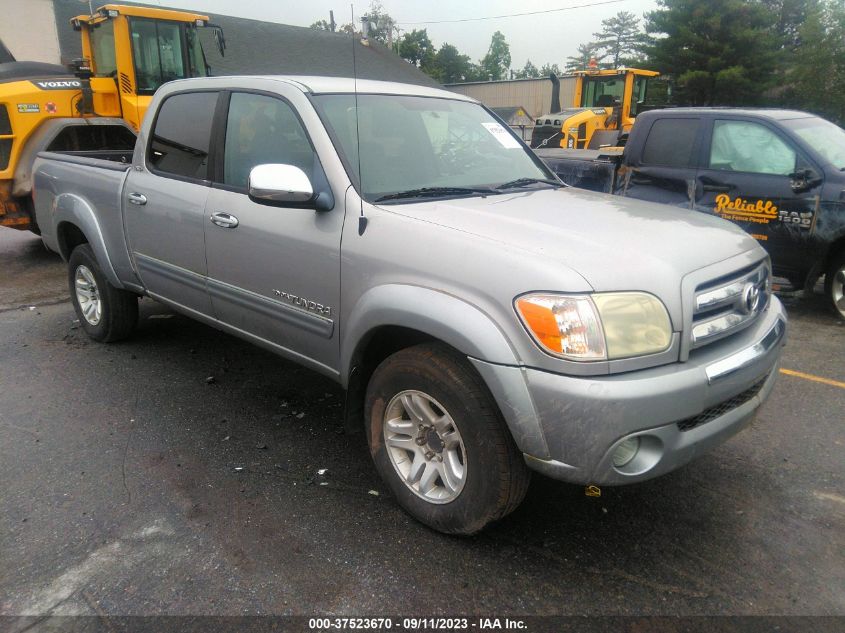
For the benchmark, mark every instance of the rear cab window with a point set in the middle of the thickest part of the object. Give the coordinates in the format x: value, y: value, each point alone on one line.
x: 181, y: 136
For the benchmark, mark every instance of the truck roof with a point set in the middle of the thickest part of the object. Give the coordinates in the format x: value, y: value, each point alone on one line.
x: 770, y: 113
x: 328, y: 85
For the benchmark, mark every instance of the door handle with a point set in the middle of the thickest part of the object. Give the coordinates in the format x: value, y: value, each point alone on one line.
x: 137, y: 198
x: 718, y: 187
x: 226, y: 220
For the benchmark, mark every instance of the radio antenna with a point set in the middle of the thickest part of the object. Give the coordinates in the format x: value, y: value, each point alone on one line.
x: 362, y: 219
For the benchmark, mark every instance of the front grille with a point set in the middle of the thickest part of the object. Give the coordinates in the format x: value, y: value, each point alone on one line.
x: 722, y: 408
x: 729, y: 304
x: 5, y: 123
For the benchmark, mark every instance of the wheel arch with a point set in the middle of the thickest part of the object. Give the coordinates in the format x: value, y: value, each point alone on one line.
x: 393, y: 310
x: 75, y: 224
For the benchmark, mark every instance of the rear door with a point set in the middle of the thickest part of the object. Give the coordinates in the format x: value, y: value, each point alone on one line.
x: 665, y: 169
x: 275, y: 273
x: 745, y: 178
x: 164, y: 202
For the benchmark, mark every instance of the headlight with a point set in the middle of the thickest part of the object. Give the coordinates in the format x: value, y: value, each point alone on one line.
x: 602, y: 326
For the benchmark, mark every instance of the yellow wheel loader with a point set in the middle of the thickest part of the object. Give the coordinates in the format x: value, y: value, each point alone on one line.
x: 128, y: 52
x: 605, y: 105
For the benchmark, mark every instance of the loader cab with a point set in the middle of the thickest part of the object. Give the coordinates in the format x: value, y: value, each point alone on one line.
x: 134, y: 50
x: 623, y: 88
x: 604, y: 106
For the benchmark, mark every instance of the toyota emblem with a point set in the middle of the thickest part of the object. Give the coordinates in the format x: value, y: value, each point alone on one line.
x: 750, y: 298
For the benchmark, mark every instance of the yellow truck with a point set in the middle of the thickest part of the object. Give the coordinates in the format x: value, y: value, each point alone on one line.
x: 128, y: 52
x: 605, y: 104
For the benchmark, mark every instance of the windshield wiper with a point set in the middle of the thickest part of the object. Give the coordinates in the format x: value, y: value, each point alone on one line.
x: 433, y: 192
x: 522, y: 182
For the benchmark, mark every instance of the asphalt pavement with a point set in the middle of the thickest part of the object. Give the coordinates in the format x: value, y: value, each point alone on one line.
x: 178, y: 472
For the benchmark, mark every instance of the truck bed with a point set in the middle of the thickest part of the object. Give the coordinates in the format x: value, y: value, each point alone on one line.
x: 584, y: 168
x: 75, y: 188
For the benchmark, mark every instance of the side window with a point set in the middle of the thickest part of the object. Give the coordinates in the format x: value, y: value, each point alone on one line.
x: 261, y: 130
x: 182, y: 134
x: 102, y: 41
x: 670, y: 142
x: 750, y: 147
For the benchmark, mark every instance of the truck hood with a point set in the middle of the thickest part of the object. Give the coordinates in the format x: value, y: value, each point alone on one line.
x: 614, y: 243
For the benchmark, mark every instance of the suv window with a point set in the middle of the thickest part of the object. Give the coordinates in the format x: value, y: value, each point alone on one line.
x: 182, y: 134
x: 670, y: 142
x: 750, y: 147
x: 262, y: 130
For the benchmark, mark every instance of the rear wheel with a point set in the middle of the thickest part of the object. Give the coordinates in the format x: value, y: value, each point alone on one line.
x: 834, y: 284
x: 439, y: 441
x: 106, y: 313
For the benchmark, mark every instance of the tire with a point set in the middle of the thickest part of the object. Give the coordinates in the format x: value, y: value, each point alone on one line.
x: 428, y: 399
x: 834, y: 284
x: 106, y: 313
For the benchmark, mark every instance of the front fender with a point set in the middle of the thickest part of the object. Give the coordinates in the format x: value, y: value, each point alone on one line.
x: 72, y: 209
x: 462, y: 326
x: 442, y: 316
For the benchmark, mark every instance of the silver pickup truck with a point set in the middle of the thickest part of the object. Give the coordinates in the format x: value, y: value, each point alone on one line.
x: 485, y: 320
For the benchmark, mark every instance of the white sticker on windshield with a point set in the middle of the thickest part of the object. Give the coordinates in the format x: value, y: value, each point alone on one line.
x: 502, y: 135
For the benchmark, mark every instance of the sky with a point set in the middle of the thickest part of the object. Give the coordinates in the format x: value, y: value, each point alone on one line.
x: 548, y: 37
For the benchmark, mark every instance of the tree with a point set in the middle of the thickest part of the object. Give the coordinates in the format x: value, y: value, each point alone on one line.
x: 529, y: 71
x: 549, y: 69
x: 321, y: 25
x: 620, y: 37
x: 497, y: 61
x: 417, y: 48
x: 586, y: 52
x: 450, y: 66
x: 383, y: 28
x: 790, y: 15
x: 708, y: 45
x: 816, y: 76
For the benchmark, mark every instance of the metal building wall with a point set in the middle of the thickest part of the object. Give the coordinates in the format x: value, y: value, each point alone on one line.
x: 28, y: 29
x: 535, y: 95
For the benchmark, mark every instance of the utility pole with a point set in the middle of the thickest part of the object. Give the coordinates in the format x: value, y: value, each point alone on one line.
x: 332, y: 23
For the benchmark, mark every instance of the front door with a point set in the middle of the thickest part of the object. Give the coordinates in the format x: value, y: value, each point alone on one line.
x: 746, y: 179
x: 274, y: 272
x: 164, y: 202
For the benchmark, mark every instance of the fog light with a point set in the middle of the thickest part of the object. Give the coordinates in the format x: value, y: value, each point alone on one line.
x: 626, y: 451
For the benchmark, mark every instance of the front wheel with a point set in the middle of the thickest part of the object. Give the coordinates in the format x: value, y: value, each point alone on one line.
x: 834, y: 284
x: 106, y: 313
x: 439, y: 441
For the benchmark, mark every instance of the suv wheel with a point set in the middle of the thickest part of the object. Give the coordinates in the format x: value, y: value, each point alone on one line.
x: 105, y: 313
x: 834, y: 284
x: 439, y: 441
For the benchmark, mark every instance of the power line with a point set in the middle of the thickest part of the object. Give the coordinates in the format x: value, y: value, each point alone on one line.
x: 516, y: 15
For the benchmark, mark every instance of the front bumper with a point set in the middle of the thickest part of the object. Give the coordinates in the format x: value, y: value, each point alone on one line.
x: 569, y: 427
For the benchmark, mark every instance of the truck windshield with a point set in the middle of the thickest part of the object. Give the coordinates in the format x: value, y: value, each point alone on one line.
x: 164, y: 51
x: 602, y: 92
x: 823, y: 136
x: 411, y: 143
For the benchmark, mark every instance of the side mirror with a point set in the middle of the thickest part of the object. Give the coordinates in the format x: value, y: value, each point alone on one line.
x: 804, y: 179
x: 279, y: 184
x: 286, y: 185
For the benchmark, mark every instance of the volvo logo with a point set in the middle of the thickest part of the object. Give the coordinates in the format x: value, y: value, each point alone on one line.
x: 750, y: 298
x: 58, y: 84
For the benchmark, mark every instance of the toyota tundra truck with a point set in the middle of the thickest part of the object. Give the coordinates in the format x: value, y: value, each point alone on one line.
x: 485, y: 320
